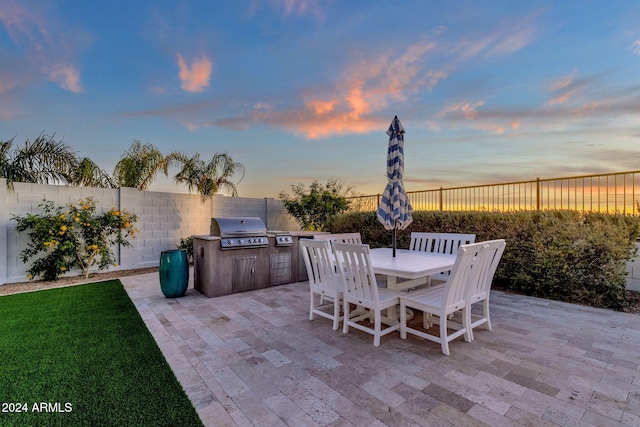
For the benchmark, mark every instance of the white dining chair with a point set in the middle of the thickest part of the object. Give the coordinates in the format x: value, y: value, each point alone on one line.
x: 424, y: 242
x: 480, y: 290
x: 325, y: 287
x: 444, y: 300
x: 442, y: 243
x: 361, y: 290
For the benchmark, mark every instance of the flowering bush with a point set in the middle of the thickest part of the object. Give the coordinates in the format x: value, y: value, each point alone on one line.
x: 73, y: 237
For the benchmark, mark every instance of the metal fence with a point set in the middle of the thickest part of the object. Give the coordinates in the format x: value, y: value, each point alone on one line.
x: 611, y: 193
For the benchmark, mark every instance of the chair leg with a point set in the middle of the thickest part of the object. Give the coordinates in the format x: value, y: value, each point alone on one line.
x: 466, y: 316
x: 377, y: 327
x: 443, y: 335
x: 345, y: 322
x: 485, y: 311
x: 311, y: 306
x: 336, y: 313
x: 466, y: 324
x: 403, y: 321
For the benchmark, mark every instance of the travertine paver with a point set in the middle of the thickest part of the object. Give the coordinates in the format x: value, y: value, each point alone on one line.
x: 255, y: 359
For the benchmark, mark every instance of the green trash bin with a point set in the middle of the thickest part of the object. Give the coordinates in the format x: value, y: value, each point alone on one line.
x: 174, y: 272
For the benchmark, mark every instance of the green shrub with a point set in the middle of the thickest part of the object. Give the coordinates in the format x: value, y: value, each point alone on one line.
x: 61, y: 239
x: 562, y: 255
x: 186, y: 243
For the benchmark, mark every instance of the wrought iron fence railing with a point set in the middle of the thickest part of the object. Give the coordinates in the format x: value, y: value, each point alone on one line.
x: 611, y: 192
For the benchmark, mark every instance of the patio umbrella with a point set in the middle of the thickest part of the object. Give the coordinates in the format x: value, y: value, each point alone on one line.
x: 394, y: 211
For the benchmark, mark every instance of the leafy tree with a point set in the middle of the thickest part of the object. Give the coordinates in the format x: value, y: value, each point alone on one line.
x: 43, y: 161
x: 139, y: 165
x: 88, y: 174
x: 316, y: 208
x: 208, y: 177
x: 75, y: 237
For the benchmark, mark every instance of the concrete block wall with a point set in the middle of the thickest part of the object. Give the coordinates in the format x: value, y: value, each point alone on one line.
x: 163, y: 219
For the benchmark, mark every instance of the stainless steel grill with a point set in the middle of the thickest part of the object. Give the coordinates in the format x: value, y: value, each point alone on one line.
x: 283, y: 238
x: 240, y: 232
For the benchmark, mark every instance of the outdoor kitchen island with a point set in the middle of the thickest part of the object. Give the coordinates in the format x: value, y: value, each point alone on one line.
x: 239, y: 256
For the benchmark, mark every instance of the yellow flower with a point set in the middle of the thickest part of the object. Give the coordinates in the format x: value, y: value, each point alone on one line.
x: 63, y: 268
x: 76, y: 219
x: 63, y: 228
x: 115, y: 265
x: 29, y: 276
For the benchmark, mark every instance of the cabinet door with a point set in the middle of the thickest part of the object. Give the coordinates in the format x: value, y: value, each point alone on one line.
x: 244, y: 273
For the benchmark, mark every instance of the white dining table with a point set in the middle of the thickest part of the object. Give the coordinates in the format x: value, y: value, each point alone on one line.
x: 414, y: 266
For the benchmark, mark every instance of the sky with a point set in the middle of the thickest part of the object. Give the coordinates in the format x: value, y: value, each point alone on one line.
x: 488, y: 91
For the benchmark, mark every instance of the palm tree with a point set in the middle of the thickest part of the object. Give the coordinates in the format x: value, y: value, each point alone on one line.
x: 88, y: 174
x: 139, y: 166
x: 209, y: 177
x: 43, y: 161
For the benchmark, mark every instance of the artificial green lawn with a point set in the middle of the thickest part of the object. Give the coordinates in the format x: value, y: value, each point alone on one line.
x: 86, y: 354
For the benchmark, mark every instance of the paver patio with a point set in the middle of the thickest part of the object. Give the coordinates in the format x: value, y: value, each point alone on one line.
x: 254, y: 359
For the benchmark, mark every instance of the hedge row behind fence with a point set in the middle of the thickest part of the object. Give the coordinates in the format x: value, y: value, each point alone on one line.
x: 562, y: 255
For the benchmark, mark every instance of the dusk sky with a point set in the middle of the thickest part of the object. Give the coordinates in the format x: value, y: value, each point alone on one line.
x: 303, y: 90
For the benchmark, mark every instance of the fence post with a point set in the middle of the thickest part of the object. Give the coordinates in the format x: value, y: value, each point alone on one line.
x: 440, y: 197
x: 538, y: 194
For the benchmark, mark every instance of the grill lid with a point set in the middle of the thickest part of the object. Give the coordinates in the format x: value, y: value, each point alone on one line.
x: 238, y: 227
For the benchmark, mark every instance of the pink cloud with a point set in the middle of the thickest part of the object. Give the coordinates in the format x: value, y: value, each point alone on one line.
x: 508, y: 38
x: 49, y: 48
x: 67, y: 77
x: 196, y: 77
x: 352, y: 104
x: 567, y: 88
x: 464, y: 109
x: 300, y: 8
x: 366, y: 87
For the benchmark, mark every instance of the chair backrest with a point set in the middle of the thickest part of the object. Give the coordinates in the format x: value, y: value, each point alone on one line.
x: 424, y: 242
x: 450, y: 242
x: 464, y: 271
x: 340, y: 237
x: 480, y: 289
x: 356, y: 271
x: 443, y: 243
x: 319, y: 262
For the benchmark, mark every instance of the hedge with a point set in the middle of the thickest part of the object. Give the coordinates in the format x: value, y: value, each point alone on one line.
x: 562, y: 255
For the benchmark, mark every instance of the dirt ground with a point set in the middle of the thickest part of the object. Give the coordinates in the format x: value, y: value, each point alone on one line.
x: 35, y: 285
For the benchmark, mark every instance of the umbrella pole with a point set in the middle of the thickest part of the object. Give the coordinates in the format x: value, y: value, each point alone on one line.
x: 394, y: 242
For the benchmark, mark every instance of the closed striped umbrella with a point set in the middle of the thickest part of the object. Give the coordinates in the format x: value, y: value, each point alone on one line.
x: 394, y: 211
